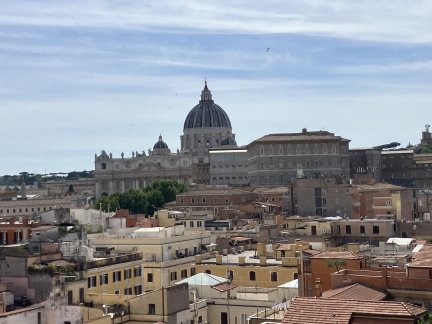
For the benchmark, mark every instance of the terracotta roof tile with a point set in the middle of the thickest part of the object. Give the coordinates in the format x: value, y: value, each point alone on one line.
x: 356, y: 291
x: 347, y: 255
x: 312, y: 252
x: 330, y: 311
x: 224, y: 286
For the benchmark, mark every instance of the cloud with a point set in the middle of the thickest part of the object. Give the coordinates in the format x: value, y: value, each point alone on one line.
x: 387, y: 20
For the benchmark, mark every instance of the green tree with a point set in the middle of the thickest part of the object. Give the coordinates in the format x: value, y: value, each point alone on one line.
x: 146, y: 201
x: 168, y: 188
x: 336, y: 263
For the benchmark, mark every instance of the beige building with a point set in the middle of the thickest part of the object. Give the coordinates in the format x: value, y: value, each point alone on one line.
x: 168, y: 252
x: 366, y: 230
x: 32, y: 207
x: 250, y: 268
x: 221, y: 301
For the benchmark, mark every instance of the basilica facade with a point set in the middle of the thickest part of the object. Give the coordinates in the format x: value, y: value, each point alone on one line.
x: 207, y: 126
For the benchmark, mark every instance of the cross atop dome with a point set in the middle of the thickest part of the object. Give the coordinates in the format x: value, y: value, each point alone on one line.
x: 206, y: 93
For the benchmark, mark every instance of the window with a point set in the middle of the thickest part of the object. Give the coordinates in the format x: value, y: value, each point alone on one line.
x: 252, y: 276
x: 362, y: 229
x: 207, y: 271
x: 137, y: 271
x: 230, y: 274
x: 117, y: 292
x: 273, y: 276
x: 103, y: 278
x: 116, y: 276
x: 313, y: 230
x: 173, y: 275
x: 152, y: 309
x: 348, y: 229
x: 128, y: 291
x: 337, y: 229
x: 243, y: 318
x: 191, y: 223
x: 91, y: 282
x: 138, y: 290
x: 103, y: 166
x: 192, y: 271
x: 183, y: 274
x: 375, y: 229
x: 128, y: 273
x: 149, y: 277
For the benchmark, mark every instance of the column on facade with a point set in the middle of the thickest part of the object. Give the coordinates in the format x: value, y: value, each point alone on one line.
x: 110, y: 187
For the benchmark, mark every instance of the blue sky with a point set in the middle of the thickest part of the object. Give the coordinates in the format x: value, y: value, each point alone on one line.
x: 77, y: 77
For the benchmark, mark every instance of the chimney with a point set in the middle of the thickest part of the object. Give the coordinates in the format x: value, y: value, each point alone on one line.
x: 260, y: 249
x: 224, y: 252
x: 263, y: 261
x: 218, y: 259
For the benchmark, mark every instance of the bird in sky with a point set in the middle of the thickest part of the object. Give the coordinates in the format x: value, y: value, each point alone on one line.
x: 268, y: 49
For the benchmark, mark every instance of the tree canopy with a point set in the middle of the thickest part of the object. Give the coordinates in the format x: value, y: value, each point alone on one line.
x: 146, y: 201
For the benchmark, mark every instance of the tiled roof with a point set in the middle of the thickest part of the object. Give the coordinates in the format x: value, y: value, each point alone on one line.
x: 330, y: 311
x: 312, y: 252
x: 34, y: 202
x: 224, y: 286
x: 213, y: 191
x: 356, y: 291
x: 347, y: 255
x: 289, y: 246
x: 379, y: 186
x: 308, y: 136
x: 423, y: 258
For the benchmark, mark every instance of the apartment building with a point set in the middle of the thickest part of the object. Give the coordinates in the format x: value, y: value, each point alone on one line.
x: 316, y: 268
x: 250, y: 268
x: 31, y: 207
x: 168, y: 252
x: 363, y: 230
x: 213, y: 199
x: 377, y: 199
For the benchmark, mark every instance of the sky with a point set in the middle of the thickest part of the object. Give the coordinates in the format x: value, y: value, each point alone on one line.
x: 78, y: 77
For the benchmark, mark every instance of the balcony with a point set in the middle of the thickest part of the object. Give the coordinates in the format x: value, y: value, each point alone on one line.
x: 113, y: 260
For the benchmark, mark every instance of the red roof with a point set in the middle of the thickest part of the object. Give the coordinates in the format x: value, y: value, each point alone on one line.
x: 356, y: 291
x: 347, y: 255
x: 224, y: 286
x: 311, y: 310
